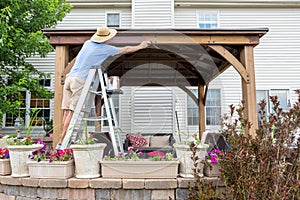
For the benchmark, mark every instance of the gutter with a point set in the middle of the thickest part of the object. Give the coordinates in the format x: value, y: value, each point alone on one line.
x: 238, y: 4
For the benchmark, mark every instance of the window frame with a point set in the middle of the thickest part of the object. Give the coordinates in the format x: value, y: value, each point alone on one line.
x: 200, y: 12
x: 271, y: 92
x: 27, y: 107
x: 106, y: 18
x: 206, y: 107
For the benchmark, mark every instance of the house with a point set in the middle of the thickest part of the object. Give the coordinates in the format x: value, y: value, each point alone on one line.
x: 154, y: 109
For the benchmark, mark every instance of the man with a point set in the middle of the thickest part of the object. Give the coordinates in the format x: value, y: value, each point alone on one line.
x: 93, y: 52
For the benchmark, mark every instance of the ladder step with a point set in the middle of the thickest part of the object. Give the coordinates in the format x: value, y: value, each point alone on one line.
x: 99, y: 118
x: 109, y: 92
x: 96, y: 92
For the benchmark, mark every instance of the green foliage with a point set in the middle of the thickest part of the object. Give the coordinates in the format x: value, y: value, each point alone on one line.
x: 201, y: 188
x: 21, y: 24
x: 86, y: 137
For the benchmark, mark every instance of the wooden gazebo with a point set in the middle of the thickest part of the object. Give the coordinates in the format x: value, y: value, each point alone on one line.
x: 194, y: 57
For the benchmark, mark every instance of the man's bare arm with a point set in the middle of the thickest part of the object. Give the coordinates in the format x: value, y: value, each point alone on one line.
x: 131, y: 49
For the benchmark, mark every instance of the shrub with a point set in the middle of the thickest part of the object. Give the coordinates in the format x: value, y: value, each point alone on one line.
x: 264, y: 166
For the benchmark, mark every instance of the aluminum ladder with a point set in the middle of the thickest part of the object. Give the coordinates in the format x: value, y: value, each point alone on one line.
x: 83, y: 108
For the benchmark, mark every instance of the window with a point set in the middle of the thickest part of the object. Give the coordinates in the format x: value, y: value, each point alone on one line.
x: 113, y: 20
x: 282, y: 94
x: 29, y: 103
x: 207, y: 19
x: 213, y: 108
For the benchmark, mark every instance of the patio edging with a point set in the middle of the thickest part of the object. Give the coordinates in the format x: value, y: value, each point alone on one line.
x: 97, y: 188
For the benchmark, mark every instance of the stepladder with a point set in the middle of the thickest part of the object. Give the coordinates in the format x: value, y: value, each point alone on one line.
x: 97, y: 78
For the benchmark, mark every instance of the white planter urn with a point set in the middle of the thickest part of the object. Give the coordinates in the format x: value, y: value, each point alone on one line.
x: 184, y: 154
x: 87, y: 158
x: 19, y: 157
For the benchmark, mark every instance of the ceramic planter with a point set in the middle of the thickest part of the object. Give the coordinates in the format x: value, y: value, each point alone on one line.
x: 184, y: 154
x: 139, y: 169
x: 211, y: 169
x: 19, y: 157
x: 5, y: 167
x: 87, y: 159
x: 55, y: 169
x: 3, y: 143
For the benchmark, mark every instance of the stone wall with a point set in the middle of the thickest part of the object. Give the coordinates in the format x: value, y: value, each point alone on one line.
x: 98, y: 188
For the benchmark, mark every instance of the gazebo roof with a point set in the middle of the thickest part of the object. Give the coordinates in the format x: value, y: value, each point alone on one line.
x: 180, y: 57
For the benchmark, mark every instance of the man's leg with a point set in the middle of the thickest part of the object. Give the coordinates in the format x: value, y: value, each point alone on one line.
x: 68, y: 114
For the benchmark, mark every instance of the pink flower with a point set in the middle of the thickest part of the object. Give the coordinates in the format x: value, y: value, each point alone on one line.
x: 214, y: 159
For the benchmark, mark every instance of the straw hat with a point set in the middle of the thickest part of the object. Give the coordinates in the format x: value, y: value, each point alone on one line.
x: 103, y: 34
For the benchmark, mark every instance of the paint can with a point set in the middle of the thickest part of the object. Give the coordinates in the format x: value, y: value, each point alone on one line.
x: 114, y: 83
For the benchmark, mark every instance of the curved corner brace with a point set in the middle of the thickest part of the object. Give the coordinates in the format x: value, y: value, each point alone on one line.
x: 66, y: 70
x: 190, y: 93
x: 232, y: 60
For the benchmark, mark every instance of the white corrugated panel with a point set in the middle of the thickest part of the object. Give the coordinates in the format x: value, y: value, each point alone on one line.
x: 152, y: 13
x: 152, y: 110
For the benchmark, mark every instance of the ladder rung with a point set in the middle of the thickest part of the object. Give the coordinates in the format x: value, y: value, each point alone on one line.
x: 100, y: 118
x: 96, y: 92
x: 85, y: 110
x: 109, y: 92
x: 114, y: 91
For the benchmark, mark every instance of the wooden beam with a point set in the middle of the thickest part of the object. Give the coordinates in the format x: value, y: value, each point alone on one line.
x: 62, y: 57
x: 249, y: 89
x: 161, y: 39
x: 232, y: 60
x: 201, y: 109
x: 190, y: 93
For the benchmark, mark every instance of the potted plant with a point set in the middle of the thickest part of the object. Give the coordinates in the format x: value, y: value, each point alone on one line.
x: 87, y: 154
x: 20, y: 148
x: 5, y: 168
x: 184, y: 154
x: 159, y: 165
x: 211, y: 165
x: 49, y: 163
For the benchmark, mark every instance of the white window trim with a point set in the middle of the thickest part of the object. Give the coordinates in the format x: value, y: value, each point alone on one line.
x: 270, y: 105
x: 27, y: 106
x: 208, y: 10
x: 113, y: 12
x: 213, y: 127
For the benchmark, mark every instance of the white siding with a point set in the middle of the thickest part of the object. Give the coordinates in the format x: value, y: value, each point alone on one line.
x: 152, y: 110
x: 152, y: 13
x: 185, y: 18
x: 277, y: 60
x: 82, y: 18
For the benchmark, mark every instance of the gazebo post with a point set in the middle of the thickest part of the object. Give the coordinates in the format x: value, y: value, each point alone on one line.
x: 249, y: 89
x: 62, y: 58
x: 201, y: 109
